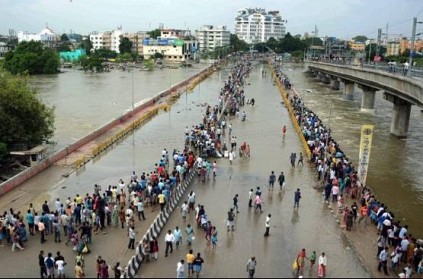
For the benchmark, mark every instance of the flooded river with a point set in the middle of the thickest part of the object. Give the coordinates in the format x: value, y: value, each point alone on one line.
x: 395, y: 164
x: 85, y: 101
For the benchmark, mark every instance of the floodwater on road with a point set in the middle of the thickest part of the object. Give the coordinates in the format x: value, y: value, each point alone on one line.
x: 395, y: 164
x: 312, y: 226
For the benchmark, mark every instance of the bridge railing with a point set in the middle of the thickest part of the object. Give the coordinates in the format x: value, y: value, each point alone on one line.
x: 415, y: 72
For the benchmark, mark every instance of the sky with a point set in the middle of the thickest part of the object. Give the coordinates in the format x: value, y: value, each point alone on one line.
x: 343, y: 19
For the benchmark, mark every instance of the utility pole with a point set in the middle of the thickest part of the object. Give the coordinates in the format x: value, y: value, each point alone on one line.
x: 370, y: 51
x: 379, y: 37
x: 413, y: 37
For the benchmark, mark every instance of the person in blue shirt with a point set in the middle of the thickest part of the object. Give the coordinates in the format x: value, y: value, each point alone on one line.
x: 30, y: 221
x: 297, y: 197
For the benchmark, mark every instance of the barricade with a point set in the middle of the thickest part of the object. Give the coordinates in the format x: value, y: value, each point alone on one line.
x: 291, y: 113
x: 135, y: 263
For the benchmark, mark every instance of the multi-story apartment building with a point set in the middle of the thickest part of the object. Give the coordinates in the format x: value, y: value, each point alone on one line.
x: 255, y: 25
x: 111, y: 40
x: 357, y: 46
x: 393, y: 48
x: 136, y: 39
x: 46, y: 36
x: 406, y: 44
x: 107, y: 40
x: 210, y: 37
x: 173, y: 49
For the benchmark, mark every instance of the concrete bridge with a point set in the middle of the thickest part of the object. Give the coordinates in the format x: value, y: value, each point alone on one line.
x: 400, y: 90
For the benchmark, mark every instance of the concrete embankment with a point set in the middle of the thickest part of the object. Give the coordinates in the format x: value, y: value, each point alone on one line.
x: 362, y: 237
x: 77, y: 154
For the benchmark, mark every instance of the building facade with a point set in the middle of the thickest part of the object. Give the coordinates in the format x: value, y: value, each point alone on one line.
x: 46, y: 36
x: 255, y: 25
x: 172, y: 49
x: 136, y: 39
x: 70, y: 56
x: 210, y: 37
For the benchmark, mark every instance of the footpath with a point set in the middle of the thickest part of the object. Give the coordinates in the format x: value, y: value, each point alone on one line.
x: 363, y: 236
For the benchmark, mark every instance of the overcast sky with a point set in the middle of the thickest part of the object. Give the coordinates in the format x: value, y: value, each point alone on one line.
x: 339, y: 18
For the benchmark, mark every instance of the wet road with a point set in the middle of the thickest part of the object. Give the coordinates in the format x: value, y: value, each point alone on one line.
x: 395, y: 164
x: 311, y: 227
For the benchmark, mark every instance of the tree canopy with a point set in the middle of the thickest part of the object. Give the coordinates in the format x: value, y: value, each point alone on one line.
x: 360, y: 38
x: 154, y: 33
x: 87, y: 45
x: 32, y: 58
x: 25, y: 120
x: 237, y: 44
x: 125, y: 45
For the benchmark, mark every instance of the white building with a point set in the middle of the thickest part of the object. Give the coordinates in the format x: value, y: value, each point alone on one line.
x: 107, y: 40
x: 210, y: 37
x: 172, y: 49
x: 255, y: 25
x: 46, y: 36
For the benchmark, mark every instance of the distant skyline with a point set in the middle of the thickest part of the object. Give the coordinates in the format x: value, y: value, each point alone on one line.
x: 338, y: 18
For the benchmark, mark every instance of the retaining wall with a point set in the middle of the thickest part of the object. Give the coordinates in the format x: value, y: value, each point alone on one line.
x: 291, y: 113
x: 186, y: 85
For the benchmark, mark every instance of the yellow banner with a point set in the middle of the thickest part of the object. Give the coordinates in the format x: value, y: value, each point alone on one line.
x: 364, y: 155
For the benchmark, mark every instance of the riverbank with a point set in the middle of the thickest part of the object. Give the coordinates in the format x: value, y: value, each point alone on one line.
x: 77, y: 154
x: 364, y: 244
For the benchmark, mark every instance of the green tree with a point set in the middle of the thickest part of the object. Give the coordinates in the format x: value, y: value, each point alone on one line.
x: 360, y: 38
x: 25, y: 120
x: 92, y: 63
x: 154, y: 33
x: 106, y: 53
x: 124, y: 57
x: 31, y: 57
x: 237, y: 44
x: 87, y: 45
x: 64, y: 38
x: 158, y: 55
x: 125, y: 45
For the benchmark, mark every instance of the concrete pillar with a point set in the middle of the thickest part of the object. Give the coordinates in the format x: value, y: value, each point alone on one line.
x: 334, y: 83
x: 326, y: 79
x: 400, y: 116
x: 368, y: 99
x: 348, y: 89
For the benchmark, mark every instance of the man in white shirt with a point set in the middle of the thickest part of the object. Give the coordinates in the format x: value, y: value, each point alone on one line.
x: 180, y: 269
x: 267, y: 225
x: 60, y: 265
x: 383, y: 260
x: 169, y: 239
x: 57, y: 204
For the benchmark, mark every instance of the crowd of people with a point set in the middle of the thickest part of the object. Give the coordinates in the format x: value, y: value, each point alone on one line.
x: 206, y: 140
x: 341, y: 186
x: 77, y: 220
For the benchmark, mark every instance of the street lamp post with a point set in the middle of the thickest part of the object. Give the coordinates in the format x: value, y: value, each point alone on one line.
x: 413, y: 38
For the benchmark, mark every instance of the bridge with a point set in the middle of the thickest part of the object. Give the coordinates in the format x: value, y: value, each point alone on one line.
x: 402, y: 91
